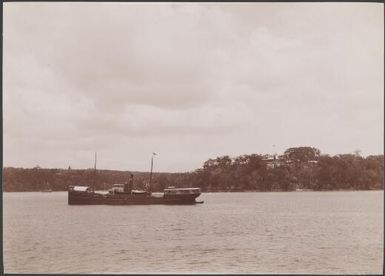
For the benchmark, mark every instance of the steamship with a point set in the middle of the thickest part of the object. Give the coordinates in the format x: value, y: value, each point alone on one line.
x: 124, y: 194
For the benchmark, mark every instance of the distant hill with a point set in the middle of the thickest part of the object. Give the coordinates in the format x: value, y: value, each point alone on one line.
x: 297, y: 168
x: 36, y: 179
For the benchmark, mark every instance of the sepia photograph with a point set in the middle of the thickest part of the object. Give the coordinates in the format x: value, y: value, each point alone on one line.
x: 193, y: 138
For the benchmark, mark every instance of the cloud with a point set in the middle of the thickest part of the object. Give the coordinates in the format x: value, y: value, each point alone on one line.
x: 237, y: 76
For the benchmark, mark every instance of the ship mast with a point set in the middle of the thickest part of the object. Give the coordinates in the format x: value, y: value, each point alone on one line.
x: 152, y: 164
x: 94, y: 182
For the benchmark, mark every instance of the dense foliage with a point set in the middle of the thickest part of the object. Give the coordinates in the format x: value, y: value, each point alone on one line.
x: 297, y: 168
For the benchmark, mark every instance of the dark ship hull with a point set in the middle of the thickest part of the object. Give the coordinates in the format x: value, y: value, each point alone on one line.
x: 170, y: 197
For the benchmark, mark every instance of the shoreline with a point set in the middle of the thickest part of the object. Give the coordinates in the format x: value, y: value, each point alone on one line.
x: 213, y: 192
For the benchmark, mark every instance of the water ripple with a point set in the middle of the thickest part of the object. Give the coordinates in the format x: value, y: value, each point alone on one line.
x: 317, y: 233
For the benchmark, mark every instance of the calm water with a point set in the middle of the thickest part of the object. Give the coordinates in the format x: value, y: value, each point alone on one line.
x: 298, y: 232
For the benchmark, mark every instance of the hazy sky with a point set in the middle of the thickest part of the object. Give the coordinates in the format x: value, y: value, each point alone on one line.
x: 189, y: 82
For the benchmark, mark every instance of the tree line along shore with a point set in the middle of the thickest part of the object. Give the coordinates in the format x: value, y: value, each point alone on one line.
x: 299, y: 168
